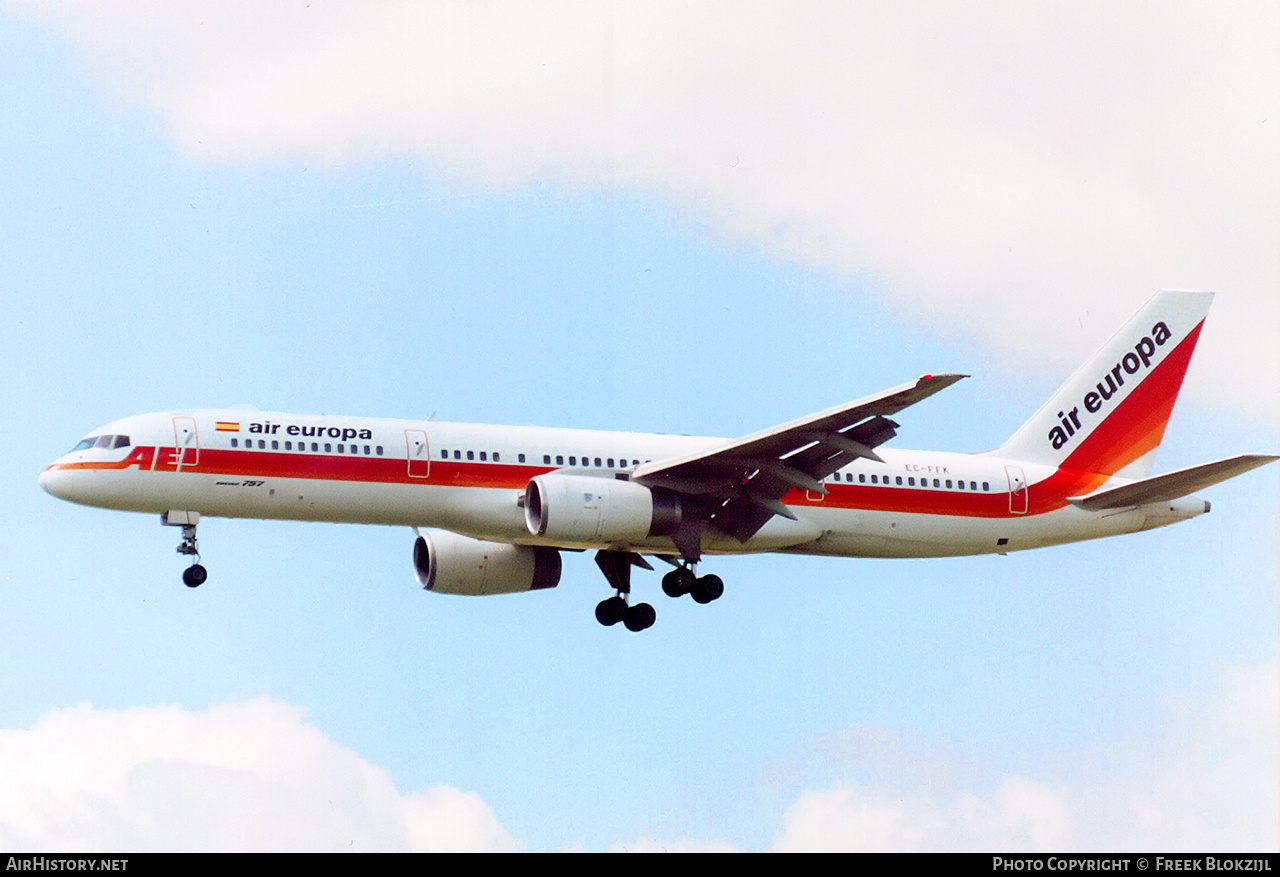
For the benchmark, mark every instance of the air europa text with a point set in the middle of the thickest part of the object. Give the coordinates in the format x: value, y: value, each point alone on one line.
x: 343, y: 433
x: 1136, y: 360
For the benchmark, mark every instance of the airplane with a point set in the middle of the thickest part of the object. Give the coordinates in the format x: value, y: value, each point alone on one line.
x: 493, y: 507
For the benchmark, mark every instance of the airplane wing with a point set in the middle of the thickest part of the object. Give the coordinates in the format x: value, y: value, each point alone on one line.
x: 739, y: 486
x: 1171, y: 485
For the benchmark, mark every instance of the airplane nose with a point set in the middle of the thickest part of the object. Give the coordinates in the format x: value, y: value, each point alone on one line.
x: 55, y: 481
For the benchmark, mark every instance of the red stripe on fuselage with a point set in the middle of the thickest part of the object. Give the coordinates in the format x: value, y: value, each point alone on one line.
x: 449, y: 473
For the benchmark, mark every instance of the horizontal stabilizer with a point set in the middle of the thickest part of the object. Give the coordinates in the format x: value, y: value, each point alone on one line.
x: 1172, y: 485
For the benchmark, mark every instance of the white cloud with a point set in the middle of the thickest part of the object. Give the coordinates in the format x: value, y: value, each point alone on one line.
x: 1023, y: 173
x: 248, y: 776
x: 1203, y: 778
x: 256, y: 776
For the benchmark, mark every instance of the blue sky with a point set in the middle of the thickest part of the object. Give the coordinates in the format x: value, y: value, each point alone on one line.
x: 191, y: 221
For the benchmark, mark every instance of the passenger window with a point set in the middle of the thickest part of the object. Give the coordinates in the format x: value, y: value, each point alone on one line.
x: 573, y: 461
x: 366, y: 450
x: 484, y: 457
x: 597, y: 462
x: 233, y: 443
x: 496, y: 457
x: 457, y: 455
x: 936, y: 483
x: 328, y: 448
x: 262, y: 444
x: 899, y: 481
x: 546, y: 458
x: 948, y: 484
x: 973, y: 485
x: 862, y: 478
x: 444, y: 455
x: 609, y: 460
x: 960, y: 485
x: 288, y: 446
x: 275, y: 445
x: 559, y: 460
x: 342, y: 449
x: 378, y: 450
x: 314, y: 447
x: 519, y: 458
x: 471, y: 455
x: 986, y: 485
x: 911, y: 482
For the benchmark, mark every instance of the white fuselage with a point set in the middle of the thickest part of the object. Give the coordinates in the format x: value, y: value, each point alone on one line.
x: 470, y: 479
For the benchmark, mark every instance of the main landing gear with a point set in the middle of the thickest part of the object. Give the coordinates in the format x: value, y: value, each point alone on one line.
x: 193, y: 576
x: 616, y: 566
x: 681, y: 581
x: 635, y: 617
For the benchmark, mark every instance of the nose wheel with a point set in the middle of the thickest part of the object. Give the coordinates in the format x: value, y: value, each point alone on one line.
x: 195, y: 575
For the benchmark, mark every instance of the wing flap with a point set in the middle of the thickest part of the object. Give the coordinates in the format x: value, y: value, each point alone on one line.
x: 778, y: 441
x: 740, y: 484
x: 1171, y: 485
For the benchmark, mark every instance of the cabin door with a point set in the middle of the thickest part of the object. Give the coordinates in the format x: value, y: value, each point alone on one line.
x: 419, y: 454
x: 1017, y: 490
x: 187, y: 441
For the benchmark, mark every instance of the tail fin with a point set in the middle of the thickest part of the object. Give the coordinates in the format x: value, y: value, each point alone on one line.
x: 1110, y: 415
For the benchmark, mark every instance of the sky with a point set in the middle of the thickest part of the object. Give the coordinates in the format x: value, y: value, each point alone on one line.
x: 688, y: 218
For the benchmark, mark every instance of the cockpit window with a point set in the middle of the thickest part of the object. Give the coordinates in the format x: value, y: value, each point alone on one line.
x: 107, y: 442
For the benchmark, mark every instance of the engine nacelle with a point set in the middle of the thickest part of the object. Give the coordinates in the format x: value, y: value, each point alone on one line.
x: 448, y: 563
x: 582, y: 508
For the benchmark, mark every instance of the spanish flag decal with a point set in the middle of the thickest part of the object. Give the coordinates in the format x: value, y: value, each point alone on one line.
x: 228, y: 426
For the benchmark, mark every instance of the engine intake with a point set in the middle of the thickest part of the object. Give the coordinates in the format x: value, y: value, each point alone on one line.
x: 448, y: 563
x: 587, y: 509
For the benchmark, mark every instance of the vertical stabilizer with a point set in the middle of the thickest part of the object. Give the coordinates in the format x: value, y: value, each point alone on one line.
x: 1110, y: 416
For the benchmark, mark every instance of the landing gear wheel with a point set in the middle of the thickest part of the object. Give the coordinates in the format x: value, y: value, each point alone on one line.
x: 677, y: 582
x: 639, y: 617
x: 707, y: 588
x: 609, y: 612
x: 194, y: 575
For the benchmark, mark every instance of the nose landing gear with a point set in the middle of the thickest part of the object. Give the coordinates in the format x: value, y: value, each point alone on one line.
x: 195, y: 575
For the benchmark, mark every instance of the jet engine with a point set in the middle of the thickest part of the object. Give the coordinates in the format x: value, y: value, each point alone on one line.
x: 448, y: 563
x: 582, y: 508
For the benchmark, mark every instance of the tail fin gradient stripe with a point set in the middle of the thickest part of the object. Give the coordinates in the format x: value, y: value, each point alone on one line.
x: 1137, y: 424
x: 1110, y: 415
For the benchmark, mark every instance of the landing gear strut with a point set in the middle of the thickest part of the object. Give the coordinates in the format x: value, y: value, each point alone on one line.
x: 193, y: 576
